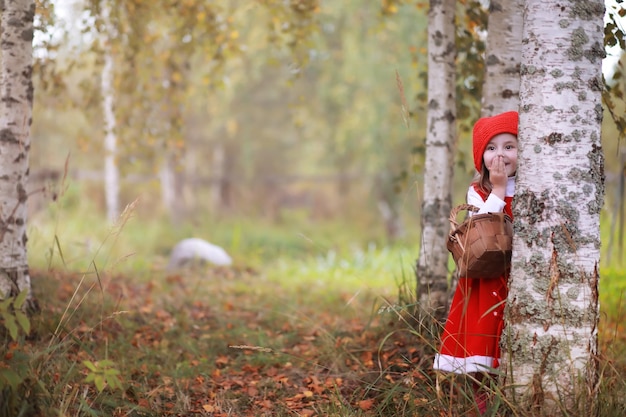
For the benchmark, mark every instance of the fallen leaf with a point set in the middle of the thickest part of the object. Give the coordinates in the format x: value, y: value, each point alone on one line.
x: 366, y: 405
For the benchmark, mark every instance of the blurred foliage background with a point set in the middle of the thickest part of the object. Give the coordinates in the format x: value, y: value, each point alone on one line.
x: 298, y: 115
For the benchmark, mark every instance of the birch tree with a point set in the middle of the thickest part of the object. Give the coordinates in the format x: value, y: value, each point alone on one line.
x: 550, y: 340
x: 502, y: 58
x: 16, y: 104
x: 432, y: 264
x: 111, y: 171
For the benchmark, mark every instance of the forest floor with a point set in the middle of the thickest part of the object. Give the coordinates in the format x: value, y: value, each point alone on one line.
x: 237, y: 342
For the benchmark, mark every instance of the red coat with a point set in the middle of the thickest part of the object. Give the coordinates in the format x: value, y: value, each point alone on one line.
x: 471, y: 336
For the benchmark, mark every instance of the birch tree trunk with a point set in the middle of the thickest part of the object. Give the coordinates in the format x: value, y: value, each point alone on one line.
x: 167, y: 181
x: 432, y: 264
x: 16, y: 104
x: 111, y: 172
x: 550, y: 340
x: 502, y: 58
x: 172, y: 185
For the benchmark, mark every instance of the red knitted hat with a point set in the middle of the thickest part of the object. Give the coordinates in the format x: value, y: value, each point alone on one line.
x: 488, y: 127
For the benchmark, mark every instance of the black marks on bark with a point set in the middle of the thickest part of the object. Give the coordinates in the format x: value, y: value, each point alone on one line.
x: 578, y: 39
x: 8, y: 137
x: 529, y: 207
x: 22, y: 195
x: 506, y: 93
x: 586, y: 10
x: 553, y: 138
x: 597, y: 178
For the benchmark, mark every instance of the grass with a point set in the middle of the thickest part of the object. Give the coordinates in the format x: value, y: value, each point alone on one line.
x: 236, y: 335
x: 307, y: 322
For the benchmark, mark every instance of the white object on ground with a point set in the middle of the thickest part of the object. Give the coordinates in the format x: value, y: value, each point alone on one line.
x: 196, y: 249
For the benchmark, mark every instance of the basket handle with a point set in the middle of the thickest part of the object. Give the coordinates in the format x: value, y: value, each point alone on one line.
x: 455, y: 211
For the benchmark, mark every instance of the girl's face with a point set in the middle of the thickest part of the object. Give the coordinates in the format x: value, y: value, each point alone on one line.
x: 505, y: 145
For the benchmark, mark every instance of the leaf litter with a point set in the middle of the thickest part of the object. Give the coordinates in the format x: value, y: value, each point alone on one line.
x: 225, y: 342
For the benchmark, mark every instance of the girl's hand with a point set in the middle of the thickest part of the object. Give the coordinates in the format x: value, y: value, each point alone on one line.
x: 498, y: 177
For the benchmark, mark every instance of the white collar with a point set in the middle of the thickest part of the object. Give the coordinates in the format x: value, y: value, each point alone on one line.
x: 510, y: 187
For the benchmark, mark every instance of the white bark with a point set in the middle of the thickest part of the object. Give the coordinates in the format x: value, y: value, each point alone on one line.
x: 16, y: 91
x: 111, y: 172
x: 432, y: 264
x: 550, y: 341
x: 172, y: 184
x: 502, y: 57
x: 168, y: 184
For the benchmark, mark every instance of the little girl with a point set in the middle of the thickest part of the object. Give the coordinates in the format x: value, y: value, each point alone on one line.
x: 470, y: 339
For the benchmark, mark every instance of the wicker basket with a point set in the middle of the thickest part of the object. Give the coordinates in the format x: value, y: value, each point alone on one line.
x: 481, y: 245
